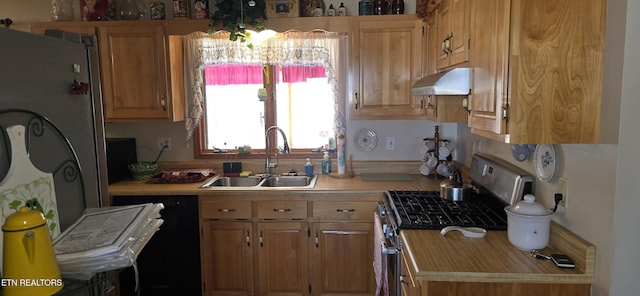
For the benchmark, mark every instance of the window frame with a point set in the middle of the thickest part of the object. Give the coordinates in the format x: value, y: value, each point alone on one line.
x: 200, y: 150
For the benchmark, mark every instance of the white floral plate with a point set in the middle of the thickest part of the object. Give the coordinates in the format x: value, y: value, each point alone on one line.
x: 545, y: 162
x: 365, y: 139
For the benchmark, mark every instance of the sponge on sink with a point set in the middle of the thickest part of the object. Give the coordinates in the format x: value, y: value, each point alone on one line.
x: 245, y: 173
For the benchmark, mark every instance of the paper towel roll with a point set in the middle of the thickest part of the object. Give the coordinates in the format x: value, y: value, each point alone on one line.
x: 341, y: 158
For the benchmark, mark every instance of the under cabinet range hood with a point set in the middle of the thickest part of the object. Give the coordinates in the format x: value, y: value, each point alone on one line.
x: 453, y: 82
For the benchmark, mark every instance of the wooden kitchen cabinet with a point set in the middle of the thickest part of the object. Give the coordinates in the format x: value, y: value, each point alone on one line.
x: 438, y: 108
x: 537, y: 70
x: 227, y: 250
x: 142, y: 80
x: 452, y: 37
x: 342, y: 250
x: 341, y: 264
x: 386, y: 60
x: 261, y: 254
x: 227, y: 247
x: 283, y: 258
x: 82, y: 28
x: 410, y: 285
x: 258, y: 245
x: 282, y: 247
x: 134, y: 63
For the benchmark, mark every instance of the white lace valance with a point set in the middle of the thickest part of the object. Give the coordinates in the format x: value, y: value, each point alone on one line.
x: 289, y: 48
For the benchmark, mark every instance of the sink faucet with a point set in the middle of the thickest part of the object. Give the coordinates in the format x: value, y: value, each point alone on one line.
x: 268, y: 165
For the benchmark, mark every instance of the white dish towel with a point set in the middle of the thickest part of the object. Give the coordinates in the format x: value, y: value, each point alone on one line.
x: 379, y: 259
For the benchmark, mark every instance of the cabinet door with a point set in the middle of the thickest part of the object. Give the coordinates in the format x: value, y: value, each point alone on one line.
x: 537, y: 80
x: 387, y: 60
x: 283, y: 258
x: 490, y: 20
x: 227, y: 258
x: 460, y: 13
x: 452, y: 22
x: 445, y: 109
x: 443, y: 34
x: 343, y: 259
x: 431, y: 47
x: 133, y: 62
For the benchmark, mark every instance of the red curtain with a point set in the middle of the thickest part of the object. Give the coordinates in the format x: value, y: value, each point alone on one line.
x: 297, y: 73
x: 225, y: 74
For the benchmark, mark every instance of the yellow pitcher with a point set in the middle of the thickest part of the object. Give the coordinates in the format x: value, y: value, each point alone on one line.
x: 29, y: 265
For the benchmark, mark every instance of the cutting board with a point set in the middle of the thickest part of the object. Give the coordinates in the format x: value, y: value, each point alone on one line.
x: 385, y: 177
x: 24, y: 182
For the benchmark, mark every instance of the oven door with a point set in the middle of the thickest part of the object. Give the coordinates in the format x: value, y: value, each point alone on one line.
x: 388, y: 257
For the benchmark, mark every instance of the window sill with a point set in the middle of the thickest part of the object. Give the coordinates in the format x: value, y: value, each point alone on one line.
x: 261, y: 155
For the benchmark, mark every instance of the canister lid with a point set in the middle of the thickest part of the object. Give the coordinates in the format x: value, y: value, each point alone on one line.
x: 529, y: 206
x: 24, y: 218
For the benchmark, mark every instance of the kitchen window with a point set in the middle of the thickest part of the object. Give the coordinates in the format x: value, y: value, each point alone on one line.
x: 292, y: 81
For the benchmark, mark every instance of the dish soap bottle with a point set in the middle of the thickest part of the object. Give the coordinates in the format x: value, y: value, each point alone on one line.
x: 326, y: 164
x: 308, y: 168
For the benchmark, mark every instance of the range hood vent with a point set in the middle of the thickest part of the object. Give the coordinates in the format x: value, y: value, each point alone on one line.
x: 453, y: 82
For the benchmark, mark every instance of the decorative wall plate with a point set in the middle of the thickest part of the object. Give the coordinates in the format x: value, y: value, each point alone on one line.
x: 365, y: 139
x: 545, y: 162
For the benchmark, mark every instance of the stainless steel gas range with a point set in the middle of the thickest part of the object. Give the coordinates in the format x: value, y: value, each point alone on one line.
x: 496, y: 184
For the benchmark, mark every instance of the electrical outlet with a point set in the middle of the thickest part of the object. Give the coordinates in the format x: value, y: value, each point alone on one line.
x: 391, y: 143
x: 164, y: 142
x: 563, y: 187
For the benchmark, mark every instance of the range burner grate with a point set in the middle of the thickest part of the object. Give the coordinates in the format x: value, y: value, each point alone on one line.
x: 427, y: 210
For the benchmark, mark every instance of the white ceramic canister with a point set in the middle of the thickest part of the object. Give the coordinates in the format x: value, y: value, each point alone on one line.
x: 528, y: 224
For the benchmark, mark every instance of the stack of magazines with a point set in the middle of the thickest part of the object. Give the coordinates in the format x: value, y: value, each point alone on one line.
x: 105, y: 239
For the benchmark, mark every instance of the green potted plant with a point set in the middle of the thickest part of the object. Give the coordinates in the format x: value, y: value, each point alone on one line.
x: 236, y: 15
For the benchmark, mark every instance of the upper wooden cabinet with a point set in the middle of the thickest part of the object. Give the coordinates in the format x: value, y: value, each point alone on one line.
x: 386, y: 60
x: 537, y: 70
x: 141, y: 79
x: 452, y: 37
x: 438, y: 108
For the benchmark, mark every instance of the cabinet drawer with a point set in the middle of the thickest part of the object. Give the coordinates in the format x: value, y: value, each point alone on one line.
x: 357, y: 210
x: 281, y: 209
x: 225, y: 209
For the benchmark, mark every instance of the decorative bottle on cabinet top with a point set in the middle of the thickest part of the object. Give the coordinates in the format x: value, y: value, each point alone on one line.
x: 342, y: 11
x: 397, y: 7
x: 380, y: 7
x: 62, y: 10
x: 132, y: 9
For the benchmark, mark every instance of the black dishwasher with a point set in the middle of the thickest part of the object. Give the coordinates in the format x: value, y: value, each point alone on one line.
x: 170, y: 262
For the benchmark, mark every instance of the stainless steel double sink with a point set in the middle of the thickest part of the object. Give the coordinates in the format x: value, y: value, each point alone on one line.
x: 261, y: 182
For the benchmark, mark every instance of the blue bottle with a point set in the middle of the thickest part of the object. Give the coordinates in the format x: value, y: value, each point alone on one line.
x: 308, y: 168
x: 326, y: 164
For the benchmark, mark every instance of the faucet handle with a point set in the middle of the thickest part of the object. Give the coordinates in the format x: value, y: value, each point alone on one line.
x: 273, y: 164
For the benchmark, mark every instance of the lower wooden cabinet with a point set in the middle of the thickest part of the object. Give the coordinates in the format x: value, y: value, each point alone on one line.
x: 283, y: 258
x: 286, y: 247
x: 227, y: 258
x: 343, y: 259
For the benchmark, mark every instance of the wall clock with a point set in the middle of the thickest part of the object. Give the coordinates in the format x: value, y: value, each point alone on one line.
x: 365, y: 139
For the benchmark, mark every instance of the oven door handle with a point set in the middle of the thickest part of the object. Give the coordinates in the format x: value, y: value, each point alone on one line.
x: 386, y: 250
